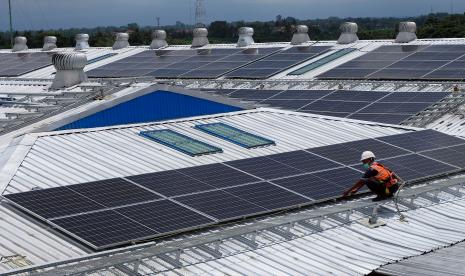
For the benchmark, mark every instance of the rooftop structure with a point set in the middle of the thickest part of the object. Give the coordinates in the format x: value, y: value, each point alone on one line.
x: 255, y: 130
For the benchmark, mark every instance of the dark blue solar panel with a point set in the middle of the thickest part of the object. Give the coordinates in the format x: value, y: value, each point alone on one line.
x: 105, y: 228
x: 267, y: 195
x: 301, y: 94
x: 287, y: 104
x: 413, y: 166
x: 303, y: 161
x: 349, y: 153
x: 221, y: 204
x: 54, y: 202
x: 218, y: 175
x: 164, y: 216
x: 113, y: 192
x: 454, y: 155
x: 170, y: 183
x: 264, y: 167
x: 336, y: 106
x: 422, y: 140
x: 253, y: 94
x: 381, y: 118
x: 312, y: 186
x: 366, y: 96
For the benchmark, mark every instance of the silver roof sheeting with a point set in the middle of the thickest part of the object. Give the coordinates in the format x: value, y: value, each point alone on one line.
x: 447, y: 262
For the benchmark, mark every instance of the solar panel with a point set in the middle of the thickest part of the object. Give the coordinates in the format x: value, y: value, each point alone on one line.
x: 380, y: 117
x: 287, y: 104
x: 170, y: 183
x: 164, y: 216
x: 277, y: 62
x: 253, y: 94
x: 16, y: 64
x: 335, y: 106
x: 187, y: 63
x: 264, y: 167
x: 113, y: 192
x: 413, y: 166
x: 219, y: 175
x: 235, y: 135
x: 300, y: 94
x: 221, y: 205
x: 422, y: 140
x: 361, y: 96
x: 349, y: 153
x: 103, y: 229
x: 267, y: 195
x: 54, y: 202
x: 390, y: 62
x: 453, y: 155
x: 303, y: 161
x: 180, y: 142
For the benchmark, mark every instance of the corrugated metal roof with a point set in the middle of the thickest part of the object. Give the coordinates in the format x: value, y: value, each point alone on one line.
x: 348, y: 249
x: 69, y: 157
x: 447, y: 261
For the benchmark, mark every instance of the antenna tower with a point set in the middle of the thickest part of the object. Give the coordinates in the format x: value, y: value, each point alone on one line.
x: 200, y: 13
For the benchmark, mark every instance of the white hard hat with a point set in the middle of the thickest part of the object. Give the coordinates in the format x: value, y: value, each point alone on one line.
x: 367, y: 154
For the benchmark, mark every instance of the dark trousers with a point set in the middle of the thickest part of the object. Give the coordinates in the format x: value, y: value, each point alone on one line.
x: 379, y: 188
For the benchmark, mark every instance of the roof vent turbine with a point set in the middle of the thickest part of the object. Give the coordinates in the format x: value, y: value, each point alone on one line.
x: 122, y: 41
x: 200, y: 37
x: 82, y: 41
x: 407, y: 32
x: 245, y: 37
x: 300, y: 35
x: 69, y: 68
x: 20, y: 44
x: 158, y: 39
x: 348, y: 33
x: 50, y: 43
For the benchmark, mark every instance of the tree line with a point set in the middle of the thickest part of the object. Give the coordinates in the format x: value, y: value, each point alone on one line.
x: 438, y: 25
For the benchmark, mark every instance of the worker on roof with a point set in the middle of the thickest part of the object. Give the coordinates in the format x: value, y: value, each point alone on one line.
x: 378, y: 178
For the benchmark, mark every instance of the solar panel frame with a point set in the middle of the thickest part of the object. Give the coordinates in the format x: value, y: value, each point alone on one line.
x: 236, y: 136
x: 209, y: 148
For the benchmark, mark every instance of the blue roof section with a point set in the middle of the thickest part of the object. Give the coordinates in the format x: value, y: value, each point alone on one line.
x: 155, y: 106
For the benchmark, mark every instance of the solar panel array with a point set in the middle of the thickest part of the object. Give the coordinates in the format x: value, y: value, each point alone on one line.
x: 117, y: 211
x: 383, y: 107
x: 187, y: 63
x: 408, y: 62
x: 255, y: 63
x: 277, y: 62
x: 16, y: 64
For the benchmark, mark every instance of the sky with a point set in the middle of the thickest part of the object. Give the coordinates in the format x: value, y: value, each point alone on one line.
x: 48, y: 14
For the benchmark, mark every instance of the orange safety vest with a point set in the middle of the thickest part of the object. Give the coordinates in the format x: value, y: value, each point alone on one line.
x: 384, y: 175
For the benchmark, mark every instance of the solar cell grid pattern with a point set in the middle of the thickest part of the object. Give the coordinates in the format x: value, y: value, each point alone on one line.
x: 186, y: 63
x: 235, y: 135
x: 376, y: 106
x: 277, y: 62
x: 180, y: 142
x: 118, y: 211
x: 409, y: 62
x: 16, y: 64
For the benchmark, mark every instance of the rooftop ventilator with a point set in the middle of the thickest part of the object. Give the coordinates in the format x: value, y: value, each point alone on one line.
x: 121, y: 41
x: 407, y: 32
x: 200, y: 37
x: 20, y: 44
x: 69, y: 68
x: 300, y: 35
x: 50, y: 43
x: 82, y: 41
x: 348, y: 33
x: 245, y: 37
x: 158, y: 39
